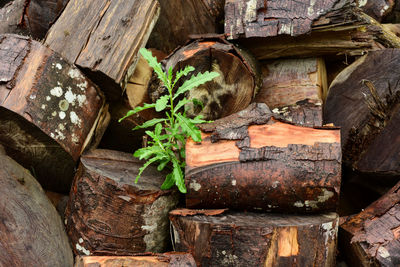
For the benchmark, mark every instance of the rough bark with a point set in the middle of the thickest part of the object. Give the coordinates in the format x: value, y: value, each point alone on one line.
x: 181, y: 18
x: 32, y: 233
x: 272, y: 167
x: 255, y: 239
x: 372, y: 237
x: 295, y: 89
x: 369, y: 113
x: 376, y: 8
x: 108, y: 214
x: 103, y: 38
x: 12, y: 18
x: 232, y: 91
x: 342, y: 30
x: 173, y: 259
x: 49, y: 110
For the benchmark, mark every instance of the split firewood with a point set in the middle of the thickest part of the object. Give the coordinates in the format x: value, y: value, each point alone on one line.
x: 295, y: 89
x: 230, y: 92
x: 326, y: 28
x: 256, y: 239
x: 103, y: 38
x: 372, y: 237
x: 172, y: 259
x: 251, y: 161
x: 108, y: 214
x: 30, y: 17
x: 48, y: 110
x: 180, y: 19
x: 32, y: 233
x: 369, y: 113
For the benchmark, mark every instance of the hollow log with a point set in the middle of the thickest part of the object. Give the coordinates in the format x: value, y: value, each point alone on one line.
x: 272, y: 166
x: 342, y: 29
x: 48, y: 110
x: 295, y: 89
x: 232, y: 91
x: 372, y: 237
x: 256, y: 239
x: 105, y: 39
x: 108, y: 214
x: 177, y: 259
x: 32, y: 233
x: 368, y: 114
x: 179, y: 19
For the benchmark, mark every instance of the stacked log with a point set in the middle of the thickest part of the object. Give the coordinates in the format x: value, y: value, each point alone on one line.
x: 32, y: 233
x: 108, y: 214
x: 49, y: 110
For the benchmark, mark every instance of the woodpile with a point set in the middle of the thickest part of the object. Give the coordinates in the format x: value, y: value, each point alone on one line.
x: 298, y: 164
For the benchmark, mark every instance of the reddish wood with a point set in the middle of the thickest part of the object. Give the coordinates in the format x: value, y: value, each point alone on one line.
x: 32, y: 233
x: 49, y: 110
x: 232, y: 91
x: 103, y: 38
x: 273, y: 166
x: 369, y: 113
x: 167, y: 259
x: 256, y: 239
x: 294, y: 88
x: 372, y: 237
x: 179, y: 19
x: 108, y: 214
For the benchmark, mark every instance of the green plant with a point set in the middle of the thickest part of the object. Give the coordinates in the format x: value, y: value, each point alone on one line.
x: 167, y: 147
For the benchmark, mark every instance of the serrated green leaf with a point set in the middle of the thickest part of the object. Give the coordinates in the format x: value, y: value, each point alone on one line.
x: 169, y: 182
x: 149, y: 123
x: 195, y: 81
x: 145, y: 165
x: 161, y: 103
x: 178, y: 176
x: 197, y: 119
x: 182, y: 72
x: 146, y: 152
x: 136, y: 110
x: 154, y: 64
x: 157, y: 129
x: 188, y: 127
x: 162, y: 164
x: 182, y: 103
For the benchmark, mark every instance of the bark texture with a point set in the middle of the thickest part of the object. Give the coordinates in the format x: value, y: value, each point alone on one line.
x: 172, y: 259
x: 32, y: 233
x: 232, y: 91
x: 108, y: 214
x: 256, y: 239
x: 49, y: 110
x: 273, y: 166
x: 372, y: 237
x: 104, y: 38
x: 294, y: 88
x: 376, y: 8
x: 369, y: 113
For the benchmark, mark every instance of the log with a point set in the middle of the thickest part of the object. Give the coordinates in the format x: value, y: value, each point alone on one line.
x: 172, y: 259
x: 256, y: 239
x: 368, y: 114
x: 343, y: 29
x: 108, y: 214
x: 32, y: 233
x: 30, y: 17
x: 377, y: 9
x: 105, y: 39
x: 272, y: 166
x: 295, y: 89
x: 48, y: 110
x: 372, y: 237
x: 232, y: 91
x: 179, y: 19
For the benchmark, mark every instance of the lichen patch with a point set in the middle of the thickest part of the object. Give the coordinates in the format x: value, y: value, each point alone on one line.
x: 57, y: 91
x: 74, y: 118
